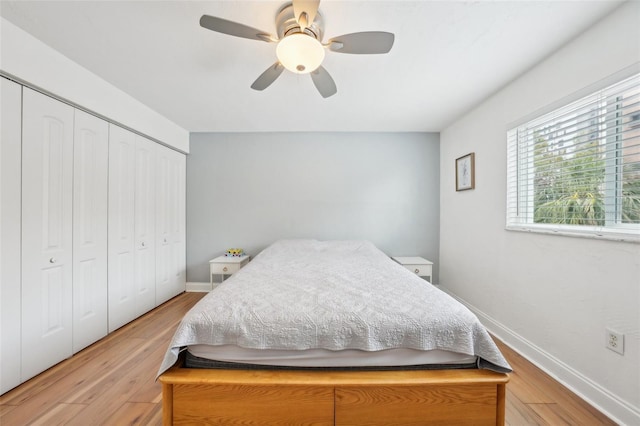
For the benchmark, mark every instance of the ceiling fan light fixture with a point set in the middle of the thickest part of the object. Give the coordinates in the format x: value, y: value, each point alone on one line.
x: 300, y: 53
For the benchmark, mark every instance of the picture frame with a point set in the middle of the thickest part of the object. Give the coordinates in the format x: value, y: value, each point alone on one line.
x: 466, y: 172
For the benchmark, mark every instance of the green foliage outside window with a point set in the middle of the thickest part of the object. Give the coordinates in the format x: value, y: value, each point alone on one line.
x: 631, y: 194
x: 569, y: 184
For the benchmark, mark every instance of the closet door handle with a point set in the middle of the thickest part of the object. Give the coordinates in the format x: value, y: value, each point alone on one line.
x: 52, y: 260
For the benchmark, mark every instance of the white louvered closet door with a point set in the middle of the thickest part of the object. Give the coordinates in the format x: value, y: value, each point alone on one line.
x: 121, y: 230
x: 10, y: 170
x: 91, y: 150
x: 47, y: 189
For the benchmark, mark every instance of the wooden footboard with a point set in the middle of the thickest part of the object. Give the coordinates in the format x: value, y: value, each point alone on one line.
x: 230, y: 397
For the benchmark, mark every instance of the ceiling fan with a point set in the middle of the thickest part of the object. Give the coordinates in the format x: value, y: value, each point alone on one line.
x: 300, y: 49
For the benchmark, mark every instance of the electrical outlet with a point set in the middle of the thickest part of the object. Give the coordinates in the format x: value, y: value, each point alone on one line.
x: 615, y: 341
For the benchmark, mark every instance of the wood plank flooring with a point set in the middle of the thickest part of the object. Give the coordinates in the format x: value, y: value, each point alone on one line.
x: 112, y: 383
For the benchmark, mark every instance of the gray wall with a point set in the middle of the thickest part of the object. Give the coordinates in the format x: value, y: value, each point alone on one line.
x: 249, y: 189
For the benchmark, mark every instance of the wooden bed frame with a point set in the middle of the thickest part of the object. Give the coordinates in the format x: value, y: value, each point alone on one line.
x: 279, y: 397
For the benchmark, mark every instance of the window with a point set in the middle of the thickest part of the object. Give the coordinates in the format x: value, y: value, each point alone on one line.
x: 576, y: 169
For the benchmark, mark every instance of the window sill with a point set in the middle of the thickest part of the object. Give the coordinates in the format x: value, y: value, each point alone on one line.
x: 623, y: 235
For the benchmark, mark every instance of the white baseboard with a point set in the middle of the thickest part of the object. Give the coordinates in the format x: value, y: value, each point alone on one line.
x: 609, y: 404
x: 198, y: 287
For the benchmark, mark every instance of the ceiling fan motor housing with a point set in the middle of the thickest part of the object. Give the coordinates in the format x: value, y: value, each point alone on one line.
x: 286, y: 24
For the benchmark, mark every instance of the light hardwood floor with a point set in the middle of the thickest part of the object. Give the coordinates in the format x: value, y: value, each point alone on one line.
x: 112, y: 383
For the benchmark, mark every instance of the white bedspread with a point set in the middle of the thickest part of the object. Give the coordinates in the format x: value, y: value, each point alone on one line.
x: 335, y: 295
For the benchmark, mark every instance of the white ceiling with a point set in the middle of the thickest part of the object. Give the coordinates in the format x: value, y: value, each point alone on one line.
x: 447, y: 57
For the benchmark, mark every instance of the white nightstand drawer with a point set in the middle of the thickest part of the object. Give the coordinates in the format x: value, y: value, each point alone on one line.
x: 225, y: 268
x: 421, y: 270
x: 418, y: 265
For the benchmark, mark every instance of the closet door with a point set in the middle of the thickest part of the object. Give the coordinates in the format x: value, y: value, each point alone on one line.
x: 144, y: 224
x: 178, y: 224
x: 10, y: 145
x: 121, y: 230
x: 47, y: 189
x: 163, y: 238
x: 91, y: 150
x: 170, y: 215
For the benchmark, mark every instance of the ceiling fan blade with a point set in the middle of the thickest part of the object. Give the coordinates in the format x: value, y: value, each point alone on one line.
x: 220, y: 25
x: 369, y: 42
x: 268, y: 77
x: 305, y: 12
x: 323, y: 82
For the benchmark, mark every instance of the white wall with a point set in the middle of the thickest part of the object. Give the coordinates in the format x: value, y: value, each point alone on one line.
x: 32, y: 62
x: 550, y: 297
x: 250, y: 189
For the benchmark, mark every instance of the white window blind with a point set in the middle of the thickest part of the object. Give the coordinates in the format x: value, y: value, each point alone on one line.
x: 576, y: 170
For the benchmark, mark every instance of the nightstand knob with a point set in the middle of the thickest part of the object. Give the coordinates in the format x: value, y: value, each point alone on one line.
x: 417, y: 271
x: 52, y: 260
x: 224, y: 269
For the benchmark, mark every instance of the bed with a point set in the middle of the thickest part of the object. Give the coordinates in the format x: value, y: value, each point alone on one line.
x: 331, y: 332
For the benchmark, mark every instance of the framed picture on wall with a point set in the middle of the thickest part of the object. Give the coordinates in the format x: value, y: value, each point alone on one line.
x: 465, y: 172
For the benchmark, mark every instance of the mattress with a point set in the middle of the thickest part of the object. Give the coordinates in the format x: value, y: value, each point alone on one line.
x: 192, y: 361
x: 334, y: 296
x: 326, y: 358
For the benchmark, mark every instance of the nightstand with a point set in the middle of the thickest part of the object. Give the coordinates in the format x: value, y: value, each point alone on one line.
x: 225, y: 266
x: 418, y: 265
